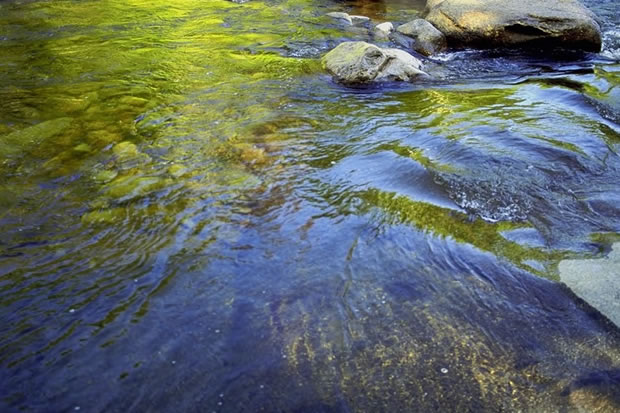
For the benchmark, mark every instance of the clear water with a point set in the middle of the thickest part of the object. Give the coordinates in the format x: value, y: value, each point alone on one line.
x: 194, y: 217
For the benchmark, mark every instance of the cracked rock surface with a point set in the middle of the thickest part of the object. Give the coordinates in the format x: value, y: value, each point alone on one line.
x: 361, y: 62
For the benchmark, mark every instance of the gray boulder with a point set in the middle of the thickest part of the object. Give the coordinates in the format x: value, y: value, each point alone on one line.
x: 516, y: 23
x: 596, y: 281
x: 361, y: 62
x: 427, y: 39
x: 383, y: 30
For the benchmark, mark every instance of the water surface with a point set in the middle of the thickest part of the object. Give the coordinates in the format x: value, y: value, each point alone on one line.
x: 194, y: 217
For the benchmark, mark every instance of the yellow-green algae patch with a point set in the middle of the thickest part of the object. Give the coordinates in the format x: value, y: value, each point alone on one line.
x: 448, y: 223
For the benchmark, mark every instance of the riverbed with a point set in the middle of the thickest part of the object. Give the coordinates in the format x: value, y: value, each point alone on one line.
x: 195, y: 217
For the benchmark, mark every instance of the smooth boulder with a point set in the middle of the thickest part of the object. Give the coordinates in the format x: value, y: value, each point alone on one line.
x: 516, y: 23
x: 361, y: 62
x: 427, y: 40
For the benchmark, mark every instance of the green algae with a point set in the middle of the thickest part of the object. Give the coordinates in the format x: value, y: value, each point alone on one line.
x: 447, y: 223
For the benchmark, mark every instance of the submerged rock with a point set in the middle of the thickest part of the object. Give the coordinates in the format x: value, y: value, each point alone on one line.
x: 510, y: 23
x: 24, y: 139
x: 127, y: 188
x: 427, y: 39
x: 361, y: 62
x: 596, y: 281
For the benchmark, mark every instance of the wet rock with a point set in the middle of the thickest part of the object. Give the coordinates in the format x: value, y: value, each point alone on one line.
x: 596, y: 281
x: 127, y: 188
x: 359, y: 20
x: 383, y: 30
x: 177, y: 170
x: 104, y: 176
x: 128, y: 155
x: 427, y: 39
x: 361, y: 62
x: 403, y: 41
x: 125, y: 148
x: 511, y: 23
x: 400, y: 66
x: 352, y: 20
x: 342, y: 17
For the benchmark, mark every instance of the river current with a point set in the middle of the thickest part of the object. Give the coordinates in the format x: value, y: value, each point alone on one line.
x: 195, y: 217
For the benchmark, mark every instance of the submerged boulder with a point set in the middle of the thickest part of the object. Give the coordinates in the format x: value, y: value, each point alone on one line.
x: 361, y: 62
x: 516, y: 23
x: 427, y: 40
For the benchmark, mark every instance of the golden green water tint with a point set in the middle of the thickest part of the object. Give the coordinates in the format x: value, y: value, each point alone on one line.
x: 195, y: 217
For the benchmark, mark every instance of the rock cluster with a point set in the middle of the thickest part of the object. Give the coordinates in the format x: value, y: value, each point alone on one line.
x: 461, y: 23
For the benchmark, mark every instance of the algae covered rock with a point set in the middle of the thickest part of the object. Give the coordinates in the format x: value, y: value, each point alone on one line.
x: 427, y: 40
x: 23, y: 139
x: 128, y: 155
x: 516, y: 23
x: 361, y: 62
x: 127, y: 188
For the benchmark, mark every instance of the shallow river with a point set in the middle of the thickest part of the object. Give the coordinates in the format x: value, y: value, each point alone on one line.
x: 194, y: 217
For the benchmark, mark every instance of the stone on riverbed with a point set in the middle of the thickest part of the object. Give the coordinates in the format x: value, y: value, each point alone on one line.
x: 349, y: 19
x: 510, y: 23
x: 383, y: 30
x: 596, y: 281
x: 32, y: 136
x: 427, y: 39
x: 340, y: 16
x: 361, y: 62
